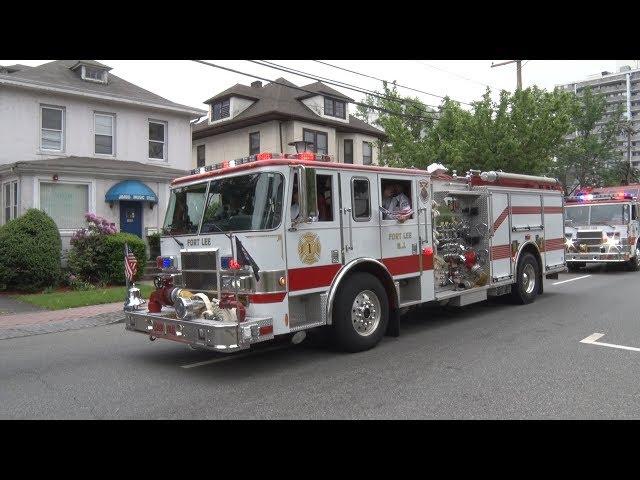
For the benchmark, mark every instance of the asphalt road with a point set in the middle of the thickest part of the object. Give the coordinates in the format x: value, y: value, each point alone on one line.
x: 491, y: 360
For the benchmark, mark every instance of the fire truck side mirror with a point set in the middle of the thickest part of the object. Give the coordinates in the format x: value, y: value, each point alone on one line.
x: 307, y: 195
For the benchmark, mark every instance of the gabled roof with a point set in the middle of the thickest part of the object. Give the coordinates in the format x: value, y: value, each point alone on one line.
x: 91, y: 63
x: 278, y: 101
x: 59, y: 74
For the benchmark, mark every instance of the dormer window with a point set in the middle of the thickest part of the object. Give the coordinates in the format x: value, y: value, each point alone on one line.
x: 91, y: 71
x: 94, y: 74
x: 334, y: 108
x: 220, y: 110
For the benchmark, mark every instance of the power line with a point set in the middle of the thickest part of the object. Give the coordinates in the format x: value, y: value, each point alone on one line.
x: 339, y: 83
x: 454, y: 74
x: 380, y: 109
x: 382, y: 80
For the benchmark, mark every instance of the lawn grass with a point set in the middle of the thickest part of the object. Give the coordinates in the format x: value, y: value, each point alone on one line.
x: 78, y: 298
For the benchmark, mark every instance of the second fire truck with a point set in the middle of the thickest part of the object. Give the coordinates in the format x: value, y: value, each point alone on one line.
x: 279, y: 244
x: 602, y: 227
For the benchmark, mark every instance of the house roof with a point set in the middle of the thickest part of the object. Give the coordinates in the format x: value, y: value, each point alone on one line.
x: 277, y: 101
x: 59, y: 74
x: 99, y: 167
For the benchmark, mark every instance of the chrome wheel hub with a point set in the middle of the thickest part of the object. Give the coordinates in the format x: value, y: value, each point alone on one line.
x: 528, y: 278
x: 365, y: 313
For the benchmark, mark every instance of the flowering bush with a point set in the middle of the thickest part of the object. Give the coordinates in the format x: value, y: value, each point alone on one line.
x: 88, y: 248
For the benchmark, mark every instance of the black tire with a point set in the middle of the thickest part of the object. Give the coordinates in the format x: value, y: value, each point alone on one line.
x: 633, y: 265
x: 522, y: 291
x: 575, y: 267
x: 344, y: 333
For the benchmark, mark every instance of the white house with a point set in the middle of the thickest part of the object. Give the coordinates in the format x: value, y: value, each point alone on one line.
x: 245, y: 120
x: 74, y: 138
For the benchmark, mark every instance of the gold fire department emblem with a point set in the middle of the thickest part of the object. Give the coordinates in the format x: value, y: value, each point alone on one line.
x: 424, y: 190
x: 309, y: 248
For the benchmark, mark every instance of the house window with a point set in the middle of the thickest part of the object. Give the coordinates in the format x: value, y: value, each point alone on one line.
x: 10, y: 201
x: 220, y: 109
x: 319, y: 139
x: 157, y: 140
x: 94, y: 74
x: 254, y: 143
x: 334, y: 108
x: 104, y: 130
x: 200, y: 156
x: 65, y: 203
x: 52, y: 128
x: 367, y: 153
x: 348, y: 151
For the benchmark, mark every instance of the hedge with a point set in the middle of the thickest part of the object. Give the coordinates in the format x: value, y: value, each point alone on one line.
x: 113, y: 260
x: 30, y: 252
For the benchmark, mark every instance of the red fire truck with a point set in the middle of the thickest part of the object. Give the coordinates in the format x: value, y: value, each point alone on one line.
x: 279, y: 244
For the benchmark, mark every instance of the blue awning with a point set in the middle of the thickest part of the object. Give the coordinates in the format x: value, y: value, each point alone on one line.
x: 130, y: 190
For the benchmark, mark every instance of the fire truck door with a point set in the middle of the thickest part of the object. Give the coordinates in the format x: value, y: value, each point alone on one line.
x: 360, y: 225
x: 501, y: 267
x: 554, y: 239
x: 313, y: 249
x: 400, y: 240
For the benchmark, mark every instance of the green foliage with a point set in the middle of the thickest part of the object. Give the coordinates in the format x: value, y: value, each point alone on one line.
x: 85, y: 259
x: 590, y: 157
x: 30, y: 250
x: 519, y: 133
x: 81, y: 298
x: 154, y: 245
x: 113, y: 261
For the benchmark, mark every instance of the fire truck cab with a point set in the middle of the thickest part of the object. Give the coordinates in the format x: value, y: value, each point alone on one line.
x: 279, y: 244
x: 601, y: 226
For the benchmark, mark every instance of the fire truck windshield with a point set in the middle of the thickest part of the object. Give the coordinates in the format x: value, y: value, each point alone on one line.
x: 598, y: 214
x: 241, y: 203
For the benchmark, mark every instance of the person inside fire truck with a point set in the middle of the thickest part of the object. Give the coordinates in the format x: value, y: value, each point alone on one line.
x: 394, y: 201
x: 323, y: 188
x: 295, y: 206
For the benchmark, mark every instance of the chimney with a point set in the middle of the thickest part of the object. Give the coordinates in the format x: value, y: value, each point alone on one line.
x: 256, y: 84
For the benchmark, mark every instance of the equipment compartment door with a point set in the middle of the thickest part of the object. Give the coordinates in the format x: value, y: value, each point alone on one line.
x: 501, y: 238
x: 359, y: 215
x: 553, y: 212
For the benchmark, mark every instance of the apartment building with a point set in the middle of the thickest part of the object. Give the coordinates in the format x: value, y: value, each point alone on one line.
x: 621, y: 89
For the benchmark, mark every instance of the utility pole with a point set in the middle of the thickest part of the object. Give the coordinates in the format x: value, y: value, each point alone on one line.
x: 628, y: 129
x: 518, y: 70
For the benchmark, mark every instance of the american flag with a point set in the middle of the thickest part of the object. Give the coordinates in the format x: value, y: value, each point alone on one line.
x: 404, y: 213
x: 130, y: 263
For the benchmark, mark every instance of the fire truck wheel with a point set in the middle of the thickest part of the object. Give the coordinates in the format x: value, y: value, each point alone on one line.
x: 361, y: 313
x: 527, y: 284
x: 634, y: 263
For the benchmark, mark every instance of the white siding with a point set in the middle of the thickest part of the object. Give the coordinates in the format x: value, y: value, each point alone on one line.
x: 20, y: 129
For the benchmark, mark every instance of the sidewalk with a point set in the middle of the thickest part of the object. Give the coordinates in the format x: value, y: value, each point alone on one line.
x: 51, y: 321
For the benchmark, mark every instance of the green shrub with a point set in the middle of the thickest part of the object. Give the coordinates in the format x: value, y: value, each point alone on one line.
x: 113, y: 265
x: 154, y: 245
x: 30, y: 250
x: 85, y: 258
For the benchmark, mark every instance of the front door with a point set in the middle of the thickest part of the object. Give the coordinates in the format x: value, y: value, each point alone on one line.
x: 131, y: 218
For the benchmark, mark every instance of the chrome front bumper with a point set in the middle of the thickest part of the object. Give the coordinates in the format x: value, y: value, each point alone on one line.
x: 209, y: 334
x: 598, y: 257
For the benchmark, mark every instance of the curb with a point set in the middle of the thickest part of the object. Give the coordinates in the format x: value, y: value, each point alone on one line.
x: 63, y: 326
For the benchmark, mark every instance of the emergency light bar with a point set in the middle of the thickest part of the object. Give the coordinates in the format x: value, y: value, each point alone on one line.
x: 264, y: 156
x: 588, y: 197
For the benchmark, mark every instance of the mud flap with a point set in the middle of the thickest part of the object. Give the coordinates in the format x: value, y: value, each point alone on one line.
x: 393, y: 326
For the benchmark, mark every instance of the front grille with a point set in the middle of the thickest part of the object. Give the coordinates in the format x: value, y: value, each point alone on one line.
x: 198, y: 270
x: 591, y: 238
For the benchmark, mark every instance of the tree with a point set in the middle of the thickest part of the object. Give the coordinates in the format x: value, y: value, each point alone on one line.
x: 591, y: 157
x: 519, y: 133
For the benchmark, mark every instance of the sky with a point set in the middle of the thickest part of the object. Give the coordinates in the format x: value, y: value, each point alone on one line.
x: 191, y: 83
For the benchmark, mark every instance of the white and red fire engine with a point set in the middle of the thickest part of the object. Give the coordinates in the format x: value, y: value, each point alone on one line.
x: 279, y: 244
x: 601, y: 226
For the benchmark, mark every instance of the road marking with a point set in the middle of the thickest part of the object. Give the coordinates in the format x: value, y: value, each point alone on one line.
x: 233, y: 356
x: 591, y: 340
x: 571, y: 280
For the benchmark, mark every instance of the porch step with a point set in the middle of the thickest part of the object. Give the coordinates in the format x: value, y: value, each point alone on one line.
x: 150, y: 270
